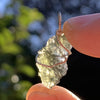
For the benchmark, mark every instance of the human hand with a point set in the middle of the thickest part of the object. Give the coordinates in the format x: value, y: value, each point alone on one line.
x: 40, y: 92
x: 83, y: 34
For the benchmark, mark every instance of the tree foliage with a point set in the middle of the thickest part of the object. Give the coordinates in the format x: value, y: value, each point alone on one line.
x: 15, y: 59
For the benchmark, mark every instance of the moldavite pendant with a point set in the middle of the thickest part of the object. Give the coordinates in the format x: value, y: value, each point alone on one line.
x: 51, y: 60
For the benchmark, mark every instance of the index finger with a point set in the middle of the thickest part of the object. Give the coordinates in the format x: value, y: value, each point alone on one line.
x: 83, y: 32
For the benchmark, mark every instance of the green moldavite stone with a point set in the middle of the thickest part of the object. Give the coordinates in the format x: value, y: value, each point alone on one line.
x: 52, y: 54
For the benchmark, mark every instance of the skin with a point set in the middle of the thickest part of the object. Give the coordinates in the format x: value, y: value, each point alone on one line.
x: 40, y: 92
x: 83, y: 33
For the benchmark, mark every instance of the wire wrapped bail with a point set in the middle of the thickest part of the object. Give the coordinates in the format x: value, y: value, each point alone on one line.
x: 59, y: 32
x: 51, y: 59
x: 59, y: 21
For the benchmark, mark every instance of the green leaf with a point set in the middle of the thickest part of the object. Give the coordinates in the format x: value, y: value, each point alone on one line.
x: 6, y: 37
x: 27, y: 70
x: 7, y: 67
x: 22, y: 34
x: 7, y: 42
x: 12, y: 49
x: 25, y: 85
x: 27, y: 15
x: 5, y: 21
x: 2, y: 40
x: 8, y: 71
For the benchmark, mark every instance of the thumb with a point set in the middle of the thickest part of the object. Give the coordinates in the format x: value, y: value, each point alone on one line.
x: 40, y: 92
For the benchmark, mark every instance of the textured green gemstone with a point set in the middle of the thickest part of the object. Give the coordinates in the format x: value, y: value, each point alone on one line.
x: 53, y: 53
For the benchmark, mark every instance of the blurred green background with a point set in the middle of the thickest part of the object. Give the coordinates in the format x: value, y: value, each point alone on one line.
x: 17, y: 65
x: 25, y: 26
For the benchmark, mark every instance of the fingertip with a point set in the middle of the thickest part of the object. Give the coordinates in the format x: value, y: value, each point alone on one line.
x: 40, y: 92
x: 83, y: 33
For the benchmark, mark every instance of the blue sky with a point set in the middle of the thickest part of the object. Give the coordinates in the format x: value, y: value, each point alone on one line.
x: 3, y: 4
